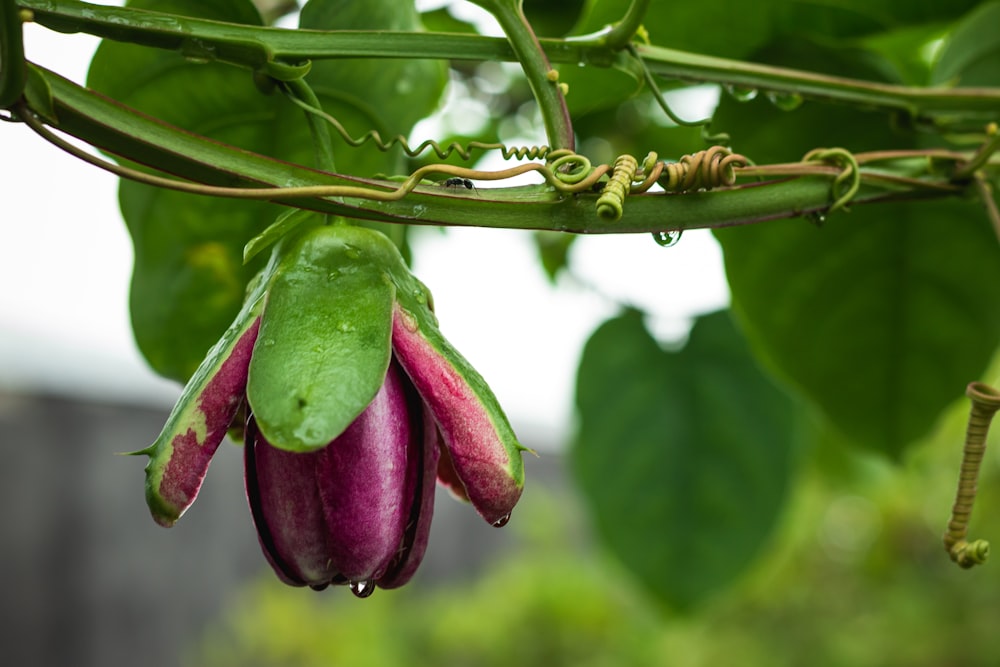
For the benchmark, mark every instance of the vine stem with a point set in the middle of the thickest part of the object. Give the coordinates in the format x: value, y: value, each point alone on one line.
x: 985, y: 402
x: 621, y: 33
x: 320, y: 131
x: 535, y: 63
x: 13, y: 69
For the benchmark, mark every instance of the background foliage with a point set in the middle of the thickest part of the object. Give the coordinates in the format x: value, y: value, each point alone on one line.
x: 853, y: 330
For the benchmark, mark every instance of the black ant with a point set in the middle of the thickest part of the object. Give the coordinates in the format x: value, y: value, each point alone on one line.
x: 456, y: 182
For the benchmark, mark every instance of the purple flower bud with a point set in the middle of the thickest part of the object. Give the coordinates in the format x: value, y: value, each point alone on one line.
x: 356, y: 405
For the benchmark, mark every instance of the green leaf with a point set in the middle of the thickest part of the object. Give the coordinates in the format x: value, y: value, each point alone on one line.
x: 389, y: 96
x: 553, y: 252
x: 187, y: 284
x: 324, y: 342
x: 881, y: 316
x: 189, y: 279
x: 684, y: 457
x: 971, y: 53
x: 593, y: 88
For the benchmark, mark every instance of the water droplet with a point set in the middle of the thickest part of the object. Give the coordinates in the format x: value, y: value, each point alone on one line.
x: 318, y: 587
x: 741, y: 93
x: 345, y: 327
x: 333, y: 275
x: 502, y: 521
x: 667, y: 239
x: 419, y: 296
x: 785, y: 101
x: 352, y: 252
x: 266, y: 342
x: 816, y: 217
x: 363, y: 589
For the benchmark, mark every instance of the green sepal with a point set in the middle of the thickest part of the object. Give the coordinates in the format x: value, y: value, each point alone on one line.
x: 179, y: 457
x: 285, y: 223
x: 324, y: 343
x: 483, y: 448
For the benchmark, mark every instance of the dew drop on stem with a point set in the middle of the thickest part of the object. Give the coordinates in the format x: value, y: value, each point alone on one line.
x: 741, y: 93
x: 785, y: 101
x: 667, y: 239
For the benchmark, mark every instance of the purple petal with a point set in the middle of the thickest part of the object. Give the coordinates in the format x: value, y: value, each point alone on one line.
x: 287, y: 511
x: 362, y: 480
x: 418, y: 529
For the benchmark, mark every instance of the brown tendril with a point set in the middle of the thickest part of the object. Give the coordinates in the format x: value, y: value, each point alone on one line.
x: 985, y: 402
x: 704, y: 170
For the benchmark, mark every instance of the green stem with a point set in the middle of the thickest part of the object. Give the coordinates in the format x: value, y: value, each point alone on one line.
x: 317, y: 126
x: 13, y: 70
x: 980, y: 103
x: 537, y: 70
x: 623, y: 31
x: 254, y: 46
x: 982, y: 156
x: 108, y: 125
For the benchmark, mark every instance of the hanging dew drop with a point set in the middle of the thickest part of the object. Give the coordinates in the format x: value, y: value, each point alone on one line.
x: 667, y: 239
x: 816, y: 217
x: 362, y: 589
x: 785, y: 101
x: 318, y: 587
x: 502, y: 521
x: 741, y: 93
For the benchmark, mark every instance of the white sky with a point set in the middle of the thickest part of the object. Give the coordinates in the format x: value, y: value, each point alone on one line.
x: 66, y: 260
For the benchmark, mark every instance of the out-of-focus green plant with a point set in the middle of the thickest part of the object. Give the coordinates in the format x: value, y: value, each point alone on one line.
x: 856, y: 578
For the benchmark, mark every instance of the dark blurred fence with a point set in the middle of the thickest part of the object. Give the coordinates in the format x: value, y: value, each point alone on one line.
x: 88, y: 579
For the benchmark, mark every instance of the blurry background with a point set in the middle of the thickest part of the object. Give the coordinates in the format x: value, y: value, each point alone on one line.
x: 855, y: 574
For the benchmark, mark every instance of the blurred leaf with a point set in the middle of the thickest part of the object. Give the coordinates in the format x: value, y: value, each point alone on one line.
x: 880, y: 316
x: 442, y: 20
x: 552, y: 18
x: 374, y: 94
x: 189, y: 278
x: 971, y: 53
x: 904, y: 49
x: 684, y: 457
x: 592, y: 88
x: 553, y: 251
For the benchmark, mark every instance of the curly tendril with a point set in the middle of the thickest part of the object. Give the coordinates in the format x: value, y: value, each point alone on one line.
x: 985, y: 402
x: 612, y: 200
x: 443, y: 152
x: 711, y: 168
x: 851, y: 174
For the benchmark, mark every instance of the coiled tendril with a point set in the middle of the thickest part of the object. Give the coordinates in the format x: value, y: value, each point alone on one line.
x: 704, y: 170
x: 985, y: 402
x: 443, y: 152
x: 612, y: 200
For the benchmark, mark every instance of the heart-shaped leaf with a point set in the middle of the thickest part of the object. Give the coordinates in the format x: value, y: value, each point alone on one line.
x: 684, y: 457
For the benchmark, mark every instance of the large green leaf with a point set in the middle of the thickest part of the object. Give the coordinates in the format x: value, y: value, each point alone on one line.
x: 881, y: 316
x: 189, y: 279
x: 684, y: 457
x: 389, y: 96
x: 971, y: 52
